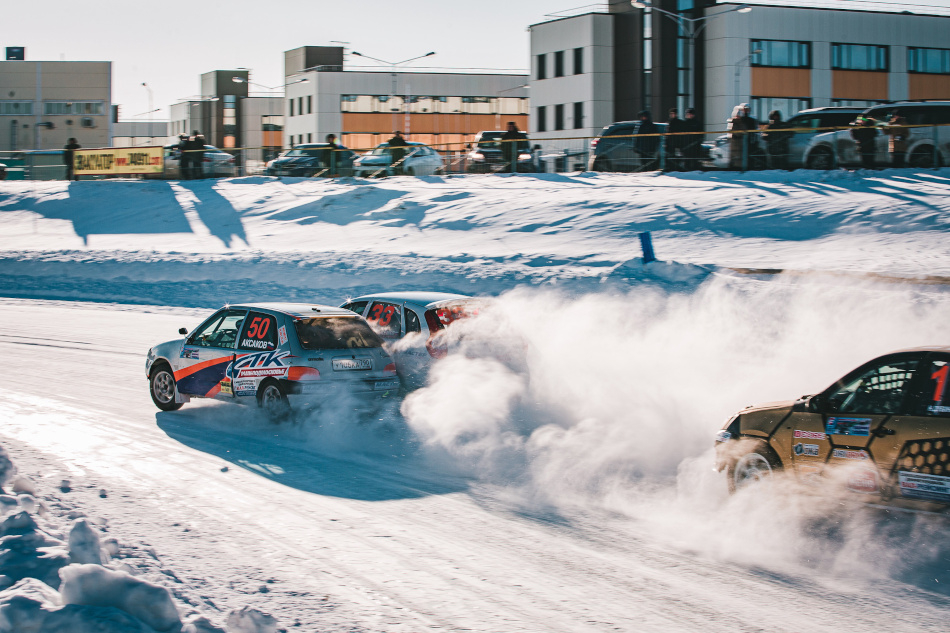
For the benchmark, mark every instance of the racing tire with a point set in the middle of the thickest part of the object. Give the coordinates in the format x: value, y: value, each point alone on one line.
x: 272, y: 399
x: 757, y: 465
x: 821, y: 159
x: 923, y: 158
x: 161, y: 385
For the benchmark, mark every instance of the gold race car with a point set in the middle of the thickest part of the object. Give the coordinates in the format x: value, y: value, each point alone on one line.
x: 883, y: 431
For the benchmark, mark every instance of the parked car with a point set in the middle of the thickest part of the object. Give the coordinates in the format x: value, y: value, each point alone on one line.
x: 812, y: 119
x: 615, y: 149
x: 883, y: 431
x: 832, y: 149
x: 486, y: 154
x: 272, y: 354
x: 312, y: 159
x: 216, y: 162
x: 420, y: 160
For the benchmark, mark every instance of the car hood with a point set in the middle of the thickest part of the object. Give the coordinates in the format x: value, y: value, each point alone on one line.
x: 168, y: 349
x: 781, y: 404
x: 374, y: 160
x: 294, y: 160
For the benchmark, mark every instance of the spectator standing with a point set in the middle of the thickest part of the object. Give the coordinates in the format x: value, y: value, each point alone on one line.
x: 863, y: 132
x: 742, y: 137
x: 897, y: 139
x: 511, y: 145
x: 646, y: 146
x: 69, y: 156
x: 331, y: 154
x: 675, y: 143
x: 184, y: 157
x: 692, y: 143
x: 777, y: 140
x: 397, y: 149
x: 197, y: 155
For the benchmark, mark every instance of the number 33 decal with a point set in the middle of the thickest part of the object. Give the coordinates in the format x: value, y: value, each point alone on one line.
x: 382, y: 314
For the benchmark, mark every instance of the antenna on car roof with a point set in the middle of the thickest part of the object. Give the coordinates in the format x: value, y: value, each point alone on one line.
x: 315, y: 309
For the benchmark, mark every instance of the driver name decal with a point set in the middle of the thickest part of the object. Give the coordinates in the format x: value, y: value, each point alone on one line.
x: 848, y: 426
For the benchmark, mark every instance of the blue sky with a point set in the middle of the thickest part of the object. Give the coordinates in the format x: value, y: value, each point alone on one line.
x: 168, y: 44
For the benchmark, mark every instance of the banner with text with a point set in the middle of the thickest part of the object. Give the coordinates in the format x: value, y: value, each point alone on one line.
x: 118, y: 160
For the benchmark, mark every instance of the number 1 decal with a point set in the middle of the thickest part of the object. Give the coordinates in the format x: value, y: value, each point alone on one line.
x: 941, y: 377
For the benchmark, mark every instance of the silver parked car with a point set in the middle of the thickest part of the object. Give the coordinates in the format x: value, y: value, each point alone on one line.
x: 216, y: 162
x: 926, y: 145
x: 420, y: 160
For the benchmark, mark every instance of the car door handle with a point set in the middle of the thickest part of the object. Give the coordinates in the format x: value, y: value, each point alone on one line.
x: 881, y: 432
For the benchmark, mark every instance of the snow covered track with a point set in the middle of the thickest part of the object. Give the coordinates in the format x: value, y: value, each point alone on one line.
x: 207, y: 242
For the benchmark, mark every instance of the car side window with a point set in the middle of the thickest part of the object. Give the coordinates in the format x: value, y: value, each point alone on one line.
x: 882, y: 389
x: 385, y: 319
x: 933, y: 397
x: 259, y: 332
x: 356, y: 306
x: 412, y: 322
x: 220, y: 331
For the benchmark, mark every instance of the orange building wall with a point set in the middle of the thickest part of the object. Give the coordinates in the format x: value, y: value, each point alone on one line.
x: 781, y: 82
x: 858, y: 85
x: 365, y: 130
x: 928, y: 86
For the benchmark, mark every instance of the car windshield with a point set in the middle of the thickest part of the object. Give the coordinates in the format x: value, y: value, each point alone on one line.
x: 336, y: 333
x: 491, y: 140
x: 383, y: 150
x: 310, y: 151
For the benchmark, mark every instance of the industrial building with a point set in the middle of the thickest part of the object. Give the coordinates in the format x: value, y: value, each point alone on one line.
x: 362, y: 107
x: 592, y: 69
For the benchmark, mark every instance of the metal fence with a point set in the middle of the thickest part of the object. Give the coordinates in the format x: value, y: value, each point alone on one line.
x: 850, y: 147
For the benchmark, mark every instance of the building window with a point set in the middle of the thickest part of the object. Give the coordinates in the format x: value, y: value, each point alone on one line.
x: 578, y: 115
x: 291, y: 103
x: 16, y: 107
x: 310, y: 137
x: 542, y: 67
x: 542, y: 123
x: 788, y: 106
x: 855, y: 103
x: 780, y: 54
x: 859, y: 57
x: 309, y: 104
x: 272, y: 123
x: 559, y: 116
x: 300, y: 107
x: 578, y: 61
x: 932, y: 61
x: 559, y: 64
x: 72, y: 107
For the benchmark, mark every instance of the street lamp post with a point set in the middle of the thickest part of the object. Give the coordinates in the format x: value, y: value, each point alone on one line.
x: 150, y: 110
x: 738, y: 66
x: 392, y: 91
x: 691, y: 28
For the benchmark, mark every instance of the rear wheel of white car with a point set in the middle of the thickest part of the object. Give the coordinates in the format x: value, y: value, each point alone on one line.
x: 272, y: 399
x: 821, y: 158
x: 162, y: 388
x: 755, y: 466
x: 923, y: 158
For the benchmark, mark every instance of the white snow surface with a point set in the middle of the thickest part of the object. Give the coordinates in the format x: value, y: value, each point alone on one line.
x: 576, y: 496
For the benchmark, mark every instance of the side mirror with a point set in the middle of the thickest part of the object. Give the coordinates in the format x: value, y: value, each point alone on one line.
x: 816, y: 403
x: 182, y: 331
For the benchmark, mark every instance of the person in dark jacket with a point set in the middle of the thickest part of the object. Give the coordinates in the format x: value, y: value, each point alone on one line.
x: 777, y: 140
x: 646, y: 146
x: 675, y: 143
x: 863, y: 132
x: 897, y: 138
x: 742, y: 138
x: 197, y: 155
x: 69, y: 154
x: 184, y: 157
x: 692, y: 143
x: 397, y: 149
x: 511, y: 146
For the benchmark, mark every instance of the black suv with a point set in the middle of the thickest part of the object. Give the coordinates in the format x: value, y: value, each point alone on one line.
x: 312, y: 159
x: 617, y: 150
x: 486, y: 154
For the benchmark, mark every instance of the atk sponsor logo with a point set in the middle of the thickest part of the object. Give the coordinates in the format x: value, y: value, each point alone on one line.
x: 810, y: 435
x: 253, y: 343
x: 806, y: 450
x: 257, y: 360
x: 843, y: 453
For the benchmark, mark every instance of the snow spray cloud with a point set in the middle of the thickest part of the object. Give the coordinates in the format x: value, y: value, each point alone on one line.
x: 625, y: 391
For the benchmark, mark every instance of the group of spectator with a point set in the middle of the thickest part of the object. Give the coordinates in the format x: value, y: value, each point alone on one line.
x: 864, y: 131
x: 683, y: 143
x: 191, y: 152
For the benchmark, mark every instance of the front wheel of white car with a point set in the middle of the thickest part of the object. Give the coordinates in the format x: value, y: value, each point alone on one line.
x: 272, y: 399
x: 162, y: 388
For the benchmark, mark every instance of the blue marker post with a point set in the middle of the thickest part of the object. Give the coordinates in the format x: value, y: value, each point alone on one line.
x: 646, y: 244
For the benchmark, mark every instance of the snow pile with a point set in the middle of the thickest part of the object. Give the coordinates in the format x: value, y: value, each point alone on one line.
x: 69, y: 585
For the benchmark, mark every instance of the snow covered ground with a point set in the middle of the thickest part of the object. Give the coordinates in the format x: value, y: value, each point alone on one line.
x: 581, y: 499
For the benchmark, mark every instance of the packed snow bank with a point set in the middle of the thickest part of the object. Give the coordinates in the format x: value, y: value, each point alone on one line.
x: 204, y: 243
x: 56, y: 583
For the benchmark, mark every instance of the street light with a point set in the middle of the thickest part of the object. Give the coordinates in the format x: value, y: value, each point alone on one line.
x: 738, y: 65
x: 691, y: 28
x: 150, y: 110
x: 242, y: 80
x: 394, y: 65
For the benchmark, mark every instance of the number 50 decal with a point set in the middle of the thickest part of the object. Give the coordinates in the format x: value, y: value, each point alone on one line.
x: 259, y: 327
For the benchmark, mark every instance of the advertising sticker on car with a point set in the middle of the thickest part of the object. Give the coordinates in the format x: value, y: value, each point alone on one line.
x: 349, y: 364
x: 924, y: 486
x: 385, y: 385
x: 844, y: 453
x: 810, y: 435
x: 848, y: 426
x: 807, y: 450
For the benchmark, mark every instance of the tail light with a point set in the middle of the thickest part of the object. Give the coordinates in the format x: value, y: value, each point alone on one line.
x: 303, y: 374
x: 207, y: 160
x: 390, y: 369
x: 593, y: 143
